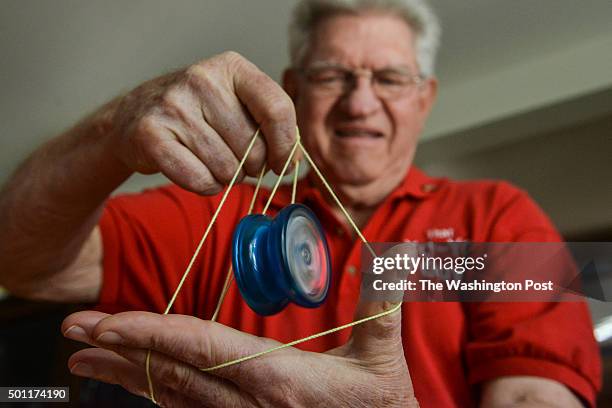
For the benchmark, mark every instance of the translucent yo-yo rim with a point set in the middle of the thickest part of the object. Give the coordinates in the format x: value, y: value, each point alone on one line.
x: 300, y: 295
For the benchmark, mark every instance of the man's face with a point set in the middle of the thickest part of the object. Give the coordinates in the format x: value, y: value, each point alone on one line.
x: 359, y: 136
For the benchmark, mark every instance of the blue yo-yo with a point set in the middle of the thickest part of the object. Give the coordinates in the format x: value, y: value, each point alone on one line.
x: 280, y: 260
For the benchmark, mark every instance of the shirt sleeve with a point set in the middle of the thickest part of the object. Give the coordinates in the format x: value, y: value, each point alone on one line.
x: 549, y: 340
x: 148, y: 239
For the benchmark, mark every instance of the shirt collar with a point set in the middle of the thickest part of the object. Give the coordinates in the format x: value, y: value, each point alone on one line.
x: 416, y: 184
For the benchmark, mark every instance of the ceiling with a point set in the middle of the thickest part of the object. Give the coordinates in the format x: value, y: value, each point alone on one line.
x: 62, y: 58
x: 484, y: 35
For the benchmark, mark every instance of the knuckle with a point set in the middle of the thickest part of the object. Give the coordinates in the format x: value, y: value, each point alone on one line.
x: 146, y: 126
x: 232, y: 57
x: 256, y: 159
x: 204, y: 69
x: 179, y: 376
x: 196, y: 70
x: 254, y: 165
x: 198, y: 73
x: 156, y: 341
x: 389, y: 326
x: 225, y: 172
x: 282, y: 395
x: 156, y: 149
x: 238, y: 66
x: 207, y: 185
x: 172, y: 99
x: 280, y: 108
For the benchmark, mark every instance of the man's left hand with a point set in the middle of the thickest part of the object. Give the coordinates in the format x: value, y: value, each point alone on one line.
x: 369, y: 370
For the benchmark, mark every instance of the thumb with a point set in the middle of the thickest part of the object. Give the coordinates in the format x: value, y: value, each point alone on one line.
x: 379, y: 336
x: 385, y: 332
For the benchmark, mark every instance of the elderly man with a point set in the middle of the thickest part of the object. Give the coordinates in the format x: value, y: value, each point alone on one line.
x: 360, y: 88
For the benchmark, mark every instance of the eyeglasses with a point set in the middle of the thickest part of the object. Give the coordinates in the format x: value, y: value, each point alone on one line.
x: 330, y: 79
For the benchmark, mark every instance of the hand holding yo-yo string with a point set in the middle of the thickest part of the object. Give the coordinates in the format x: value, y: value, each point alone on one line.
x: 369, y: 370
x: 203, y: 362
x: 194, y: 125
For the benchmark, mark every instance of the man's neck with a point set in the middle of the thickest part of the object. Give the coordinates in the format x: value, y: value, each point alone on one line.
x: 360, y: 201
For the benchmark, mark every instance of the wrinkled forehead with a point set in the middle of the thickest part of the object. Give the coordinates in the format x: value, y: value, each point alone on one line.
x: 369, y: 40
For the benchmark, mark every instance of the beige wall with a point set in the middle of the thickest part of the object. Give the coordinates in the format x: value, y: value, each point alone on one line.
x: 568, y: 171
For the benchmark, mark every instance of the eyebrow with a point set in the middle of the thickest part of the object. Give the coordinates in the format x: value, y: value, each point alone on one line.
x: 331, y: 64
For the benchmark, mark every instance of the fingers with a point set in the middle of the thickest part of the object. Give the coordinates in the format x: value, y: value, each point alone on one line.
x: 223, y: 111
x: 78, y: 326
x: 182, y: 116
x: 208, y: 146
x: 156, y: 147
x: 194, y: 125
x: 185, y: 378
x: 125, y: 365
x: 183, y: 344
x: 183, y: 167
x: 271, y: 108
x: 199, y: 343
x: 107, y: 366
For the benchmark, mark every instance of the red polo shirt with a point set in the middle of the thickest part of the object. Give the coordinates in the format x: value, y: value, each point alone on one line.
x: 450, y: 347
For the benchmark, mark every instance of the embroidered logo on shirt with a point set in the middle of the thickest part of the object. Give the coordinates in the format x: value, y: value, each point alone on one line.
x: 440, y: 234
x: 445, y: 234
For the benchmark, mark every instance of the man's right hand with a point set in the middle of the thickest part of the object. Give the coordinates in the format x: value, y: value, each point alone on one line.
x: 194, y: 125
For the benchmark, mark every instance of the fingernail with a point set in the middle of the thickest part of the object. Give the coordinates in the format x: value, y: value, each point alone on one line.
x: 109, y: 338
x: 82, y: 370
x: 76, y: 333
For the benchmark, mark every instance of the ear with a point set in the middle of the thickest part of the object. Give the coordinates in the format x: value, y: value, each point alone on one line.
x: 291, y: 83
x: 427, y: 96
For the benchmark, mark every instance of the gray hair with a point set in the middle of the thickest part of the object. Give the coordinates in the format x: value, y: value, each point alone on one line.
x: 417, y: 14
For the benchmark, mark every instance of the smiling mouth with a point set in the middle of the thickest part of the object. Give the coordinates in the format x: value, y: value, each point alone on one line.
x: 358, y: 133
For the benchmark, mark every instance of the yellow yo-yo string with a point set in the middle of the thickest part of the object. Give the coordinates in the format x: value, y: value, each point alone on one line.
x: 228, y: 279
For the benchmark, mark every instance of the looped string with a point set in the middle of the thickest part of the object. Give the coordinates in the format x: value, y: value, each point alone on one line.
x: 337, y: 200
x: 298, y: 341
x: 280, y: 177
x: 296, y: 172
x: 230, y: 274
x: 228, y: 280
x: 197, y: 252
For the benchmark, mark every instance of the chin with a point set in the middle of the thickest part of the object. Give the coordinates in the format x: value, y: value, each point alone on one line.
x: 349, y: 173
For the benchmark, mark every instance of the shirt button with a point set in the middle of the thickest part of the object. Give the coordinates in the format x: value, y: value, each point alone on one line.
x: 339, y: 231
x: 428, y: 188
x: 351, y: 270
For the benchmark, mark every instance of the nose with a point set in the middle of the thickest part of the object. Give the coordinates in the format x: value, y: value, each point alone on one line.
x: 361, y: 100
